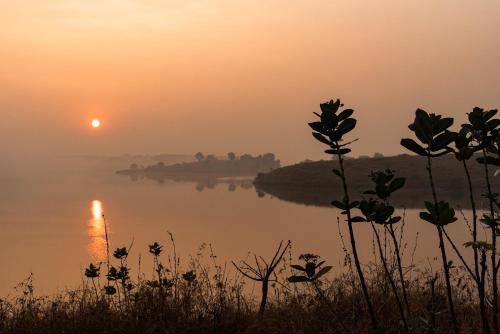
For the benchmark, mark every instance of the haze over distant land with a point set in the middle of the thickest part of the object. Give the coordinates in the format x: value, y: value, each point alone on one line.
x: 214, y: 76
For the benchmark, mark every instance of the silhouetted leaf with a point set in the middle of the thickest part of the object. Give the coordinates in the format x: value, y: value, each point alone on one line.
x: 397, y: 184
x: 423, y: 136
x: 357, y: 219
x: 411, y: 145
x: 478, y: 245
x: 353, y: 204
x: 493, y: 124
x: 394, y: 220
x: 430, y: 207
x: 335, y: 136
x: 344, y: 150
x: 298, y: 267
x: 323, y: 271
x: 489, y: 160
x: 422, y: 123
x: 346, y: 113
x: 298, y: 279
x: 330, y: 106
x: 347, y: 125
x: 310, y: 269
x: 443, y: 140
x: 321, y: 138
x: 317, y: 126
x: 443, y: 124
x: 339, y: 205
x: 109, y: 290
x: 427, y: 217
x: 489, y: 114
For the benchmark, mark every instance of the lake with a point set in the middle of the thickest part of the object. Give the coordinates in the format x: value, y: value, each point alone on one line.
x: 52, y: 227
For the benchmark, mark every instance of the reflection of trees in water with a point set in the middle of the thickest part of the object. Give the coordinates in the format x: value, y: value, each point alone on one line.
x: 323, y: 196
x: 203, y: 182
x: 232, y: 184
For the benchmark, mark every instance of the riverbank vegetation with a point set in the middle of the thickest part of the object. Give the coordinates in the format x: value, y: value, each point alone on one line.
x: 208, y: 166
x: 313, y: 183
x: 203, y: 295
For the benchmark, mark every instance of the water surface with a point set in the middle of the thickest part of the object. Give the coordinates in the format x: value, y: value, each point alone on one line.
x: 53, y: 225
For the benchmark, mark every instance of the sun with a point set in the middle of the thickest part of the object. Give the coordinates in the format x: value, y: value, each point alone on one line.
x: 95, y: 123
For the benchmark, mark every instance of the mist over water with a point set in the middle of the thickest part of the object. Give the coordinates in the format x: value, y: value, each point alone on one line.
x: 52, y: 224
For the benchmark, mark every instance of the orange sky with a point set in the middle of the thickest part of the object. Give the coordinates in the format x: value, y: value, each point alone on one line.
x: 245, y: 76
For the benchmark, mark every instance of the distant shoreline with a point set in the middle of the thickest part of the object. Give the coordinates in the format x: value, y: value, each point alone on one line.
x: 208, y: 167
x: 313, y: 183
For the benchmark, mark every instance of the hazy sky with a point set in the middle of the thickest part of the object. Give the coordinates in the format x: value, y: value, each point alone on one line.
x: 245, y: 76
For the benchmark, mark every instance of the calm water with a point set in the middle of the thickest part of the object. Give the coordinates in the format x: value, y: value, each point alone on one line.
x: 52, y: 227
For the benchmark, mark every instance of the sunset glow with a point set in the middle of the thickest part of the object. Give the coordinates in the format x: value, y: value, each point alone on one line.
x: 96, y: 123
x: 354, y: 131
x: 227, y: 67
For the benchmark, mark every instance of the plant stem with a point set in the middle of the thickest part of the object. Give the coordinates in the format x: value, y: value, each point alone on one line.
x: 263, y: 302
x: 374, y: 321
x: 482, y: 297
x: 494, y: 267
x: 479, y: 282
x: 95, y: 289
x: 400, y: 267
x: 474, y: 218
x: 390, y: 278
x: 442, y: 248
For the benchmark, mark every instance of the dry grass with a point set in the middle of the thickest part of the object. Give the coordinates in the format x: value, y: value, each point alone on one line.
x: 208, y: 297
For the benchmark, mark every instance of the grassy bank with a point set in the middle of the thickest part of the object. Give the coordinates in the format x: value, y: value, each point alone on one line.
x: 204, y: 296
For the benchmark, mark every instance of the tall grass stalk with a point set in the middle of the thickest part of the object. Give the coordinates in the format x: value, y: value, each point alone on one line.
x: 446, y: 264
x: 354, y: 250
x: 388, y: 274
x: 493, y: 228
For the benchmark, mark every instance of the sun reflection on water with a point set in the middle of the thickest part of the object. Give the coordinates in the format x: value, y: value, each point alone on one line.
x: 96, y: 232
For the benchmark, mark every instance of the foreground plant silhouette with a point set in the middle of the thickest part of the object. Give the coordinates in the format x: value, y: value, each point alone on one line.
x: 484, y: 132
x: 432, y: 132
x: 262, y: 272
x: 330, y: 130
x: 312, y: 271
x: 385, y: 184
x: 379, y: 211
x: 480, y: 135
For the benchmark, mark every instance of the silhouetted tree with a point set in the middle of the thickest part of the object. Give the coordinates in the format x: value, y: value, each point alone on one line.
x: 246, y: 157
x: 210, y: 158
x: 199, y: 156
x: 231, y: 156
x: 269, y: 157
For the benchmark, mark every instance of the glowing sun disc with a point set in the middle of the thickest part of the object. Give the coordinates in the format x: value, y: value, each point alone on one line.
x: 96, y: 123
